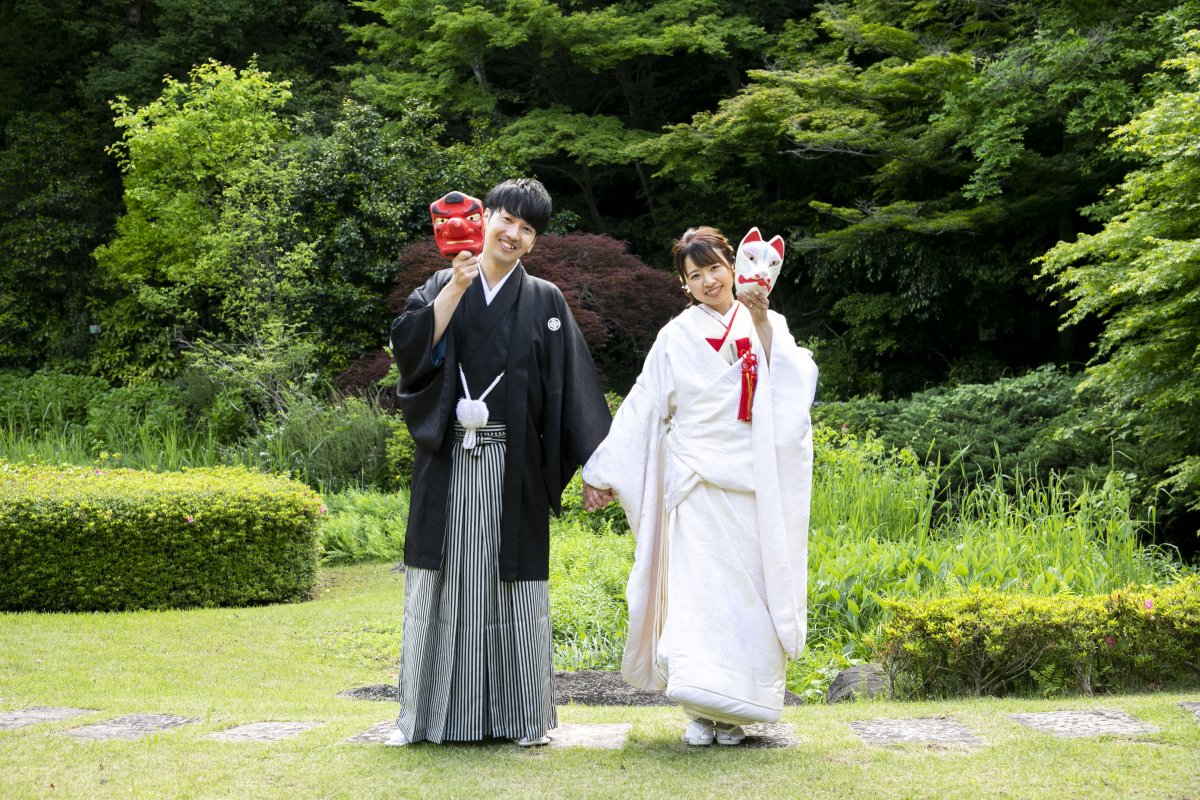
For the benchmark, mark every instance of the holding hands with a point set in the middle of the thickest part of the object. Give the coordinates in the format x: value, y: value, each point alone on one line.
x: 595, y: 499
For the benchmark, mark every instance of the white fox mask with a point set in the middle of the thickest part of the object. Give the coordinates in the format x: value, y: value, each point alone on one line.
x: 758, y: 261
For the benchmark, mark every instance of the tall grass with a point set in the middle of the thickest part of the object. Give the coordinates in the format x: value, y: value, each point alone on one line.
x: 330, y: 447
x: 145, y: 445
x: 880, y: 530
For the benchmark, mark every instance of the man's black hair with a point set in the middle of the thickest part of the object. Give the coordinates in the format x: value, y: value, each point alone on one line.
x: 522, y: 197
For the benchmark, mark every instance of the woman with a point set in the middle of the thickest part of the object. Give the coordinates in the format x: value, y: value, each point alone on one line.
x: 718, y: 502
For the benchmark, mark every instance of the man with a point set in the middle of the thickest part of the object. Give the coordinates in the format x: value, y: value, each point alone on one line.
x: 501, y: 397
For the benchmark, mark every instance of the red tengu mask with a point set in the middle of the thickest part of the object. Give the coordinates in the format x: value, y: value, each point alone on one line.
x: 457, y: 224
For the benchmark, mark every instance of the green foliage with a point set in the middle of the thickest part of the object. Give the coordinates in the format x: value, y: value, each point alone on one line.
x: 258, y: 376
x: 880, y: 531
x: 127, y: 407
x: 364, y: 526
x: 580, y: 86
x: 1029, y: 425
x: 46, y: 400
x: 920, y: 160
x: 330, y: 446
x: 1140, y: 275
x: 53, y: 177
x: 588, y: 571
x: 363, y: 192
x: 79, y: 539
x: 204, y: 243
x: 985, y: 642
x: 401, y: 450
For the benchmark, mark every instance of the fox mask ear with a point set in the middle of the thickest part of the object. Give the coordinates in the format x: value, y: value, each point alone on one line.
x: 776, y: 244
x: 752, y: 236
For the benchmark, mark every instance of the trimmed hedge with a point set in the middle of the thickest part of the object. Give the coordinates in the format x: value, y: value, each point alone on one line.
x: 992, y: 643
x: 83, y: 539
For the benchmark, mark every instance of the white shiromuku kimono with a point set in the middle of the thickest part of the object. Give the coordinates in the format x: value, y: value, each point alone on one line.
x: 720, y: 510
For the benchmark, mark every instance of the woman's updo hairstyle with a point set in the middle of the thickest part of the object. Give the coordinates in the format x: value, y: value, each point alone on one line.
x: 705, y: 246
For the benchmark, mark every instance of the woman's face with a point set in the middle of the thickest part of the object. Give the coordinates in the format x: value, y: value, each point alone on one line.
x: 711, y: 284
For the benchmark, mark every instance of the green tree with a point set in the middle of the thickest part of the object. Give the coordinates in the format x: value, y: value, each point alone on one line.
x: 571, y: 86
x: 362, y: 194
x: 921, y: 154
x: 54, y: 213
x: 1140, y: 275
x: 205, y: 243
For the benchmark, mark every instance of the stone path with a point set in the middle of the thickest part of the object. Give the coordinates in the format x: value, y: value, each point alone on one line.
x: 1065, y: 724
x: 262, y: 731
x: 11, y: 720
x: 941, y: 730
x: 132, y: 726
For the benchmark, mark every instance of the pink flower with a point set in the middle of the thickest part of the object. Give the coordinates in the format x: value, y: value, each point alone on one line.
x: 1109, y: 640
x: 324, y: 510
x: 191, y: 519
x: 1149, y: 604
x: 97, y: 472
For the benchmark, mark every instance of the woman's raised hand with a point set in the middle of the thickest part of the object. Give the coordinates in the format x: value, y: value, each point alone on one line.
x: 754, y: 297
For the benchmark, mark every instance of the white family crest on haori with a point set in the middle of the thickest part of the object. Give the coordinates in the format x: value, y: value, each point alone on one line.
x: 758, y: 261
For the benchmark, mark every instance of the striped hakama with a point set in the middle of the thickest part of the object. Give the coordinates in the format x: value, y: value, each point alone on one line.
x: 475, y: 656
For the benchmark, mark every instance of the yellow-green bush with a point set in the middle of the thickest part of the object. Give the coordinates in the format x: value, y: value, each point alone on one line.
x: 85, y: 539
x: 988, y: 642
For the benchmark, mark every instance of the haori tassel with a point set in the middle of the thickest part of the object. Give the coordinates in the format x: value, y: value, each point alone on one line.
x: 472, y: 414
x: 749, y: 378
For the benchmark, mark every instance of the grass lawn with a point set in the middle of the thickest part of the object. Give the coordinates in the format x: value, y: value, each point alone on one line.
x: 285, y: 663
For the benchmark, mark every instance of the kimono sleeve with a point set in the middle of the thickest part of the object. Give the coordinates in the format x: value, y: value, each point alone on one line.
x: 425, y: 392
x: 794, y: 384
x: 627, y: 460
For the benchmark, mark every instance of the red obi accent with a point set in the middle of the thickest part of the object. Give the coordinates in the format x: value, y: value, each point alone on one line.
x: 749, y: 377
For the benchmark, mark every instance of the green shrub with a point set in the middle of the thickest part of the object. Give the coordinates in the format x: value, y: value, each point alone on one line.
x: 588, y: 572
x: 364, y: 526
x: 1030, y: 424
x: 46, y: 401
x: 401, y: 449
x: 329, y: 446
x: 990, y: 643
x: 113, y: 416
x: 85, y: 539
x: 880, y: 531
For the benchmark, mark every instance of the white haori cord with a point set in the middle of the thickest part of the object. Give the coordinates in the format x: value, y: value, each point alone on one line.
x: 472, y: 414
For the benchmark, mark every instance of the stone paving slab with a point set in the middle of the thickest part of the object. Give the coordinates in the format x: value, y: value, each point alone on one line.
x: 262, y: 731
x: 769, y: 735
x: 1193, y: 707
x: 11, y: 720
x: 601, y: 687
x: 1065, y: 724
x: 602, y: 736
x: 938, y: 730
x: 377, y: 733
x: 132, y: 726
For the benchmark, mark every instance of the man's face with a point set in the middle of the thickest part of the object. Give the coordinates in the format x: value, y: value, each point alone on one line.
x: 506, y: 237
x: 457, y: 224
